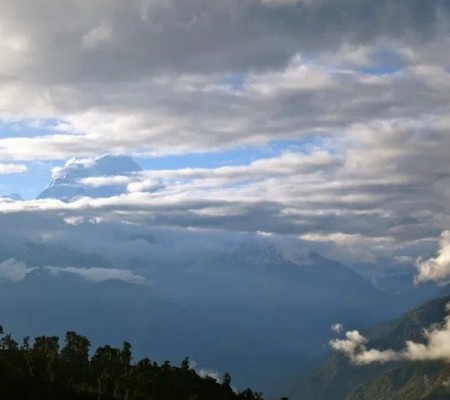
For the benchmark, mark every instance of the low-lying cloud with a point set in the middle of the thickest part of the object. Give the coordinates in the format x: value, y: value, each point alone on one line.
x: 100, y: 274
x: 438, y: 268
x: 13, y: 270
x: 16, y: 271
x: 354, y: 347
x: 337, y: 327
x: 435, y: 348
x: 6, y: 169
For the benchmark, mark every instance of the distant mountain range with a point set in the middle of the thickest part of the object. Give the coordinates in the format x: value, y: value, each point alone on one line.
x: 244, y: 305
x: 12, y: 196
x: 247, y: 309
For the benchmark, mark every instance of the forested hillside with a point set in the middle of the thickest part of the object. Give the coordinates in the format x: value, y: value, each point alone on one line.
x: 339, y: 379
x: 44, y: 370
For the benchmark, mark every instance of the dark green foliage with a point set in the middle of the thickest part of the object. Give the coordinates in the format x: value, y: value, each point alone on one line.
x: 46, y: 371
x: 412, y: 381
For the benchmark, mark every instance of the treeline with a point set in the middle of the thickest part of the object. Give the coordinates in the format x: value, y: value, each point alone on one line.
x: 45, y: 370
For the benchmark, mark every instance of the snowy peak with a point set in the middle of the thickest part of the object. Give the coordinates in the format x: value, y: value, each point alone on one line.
x: 66, y: 182
x: 12, y: 196
x: 107, y: 165
x: 260, y: 252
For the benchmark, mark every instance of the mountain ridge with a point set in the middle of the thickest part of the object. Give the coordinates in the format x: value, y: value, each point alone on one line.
x: 66, y: 182
x: 338, y: 379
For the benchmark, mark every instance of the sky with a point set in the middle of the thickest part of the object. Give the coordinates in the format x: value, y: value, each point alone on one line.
x: 322, y: 120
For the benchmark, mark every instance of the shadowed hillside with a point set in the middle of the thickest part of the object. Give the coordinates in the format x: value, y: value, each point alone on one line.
x: 43, y: 370
x: 339, y: 379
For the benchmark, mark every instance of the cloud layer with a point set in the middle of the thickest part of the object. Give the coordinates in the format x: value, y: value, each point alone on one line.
x: 12, y: 168
x: 159, y: 77
x: 355, y: 207
x: 356, y: 92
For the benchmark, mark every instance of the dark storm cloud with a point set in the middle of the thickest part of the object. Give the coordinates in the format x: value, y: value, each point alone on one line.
x: 115, y: 40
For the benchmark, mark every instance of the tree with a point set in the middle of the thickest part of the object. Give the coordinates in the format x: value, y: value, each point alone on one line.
x: 26, y: 343
x: 185, y: 365
x: 44, y: 358
x: 126, y: 355
x: 75, y: 355
x: 226, y: 379
x: 44, y: 371
x: 8, y: 343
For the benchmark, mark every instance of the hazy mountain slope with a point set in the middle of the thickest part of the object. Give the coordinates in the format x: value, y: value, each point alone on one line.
x: 337, y: 377
x: 407, y: 382
x: 245, y: 309
x: 398, y: 281
x: 12, y: 196
x: 256, y: 306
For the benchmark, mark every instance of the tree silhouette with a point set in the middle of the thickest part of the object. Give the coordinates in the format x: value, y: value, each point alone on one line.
x: 43, y: 371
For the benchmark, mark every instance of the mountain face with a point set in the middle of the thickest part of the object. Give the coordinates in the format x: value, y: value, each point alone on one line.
x: 244, y: 308
x: 425, y: 381
x: 12, y: 196
x: 259, y: 308
x: 338, y: 379
x: 67, y: 182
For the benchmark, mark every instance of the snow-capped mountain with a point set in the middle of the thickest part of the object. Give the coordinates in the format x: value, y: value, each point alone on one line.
x: 260, y: 252
x: 67, y: 182
x: 12, y: 196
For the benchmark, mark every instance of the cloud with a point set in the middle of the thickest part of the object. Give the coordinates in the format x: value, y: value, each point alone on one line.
x: 311, y: 100
x: 435, y: 348
x: 287, y: 2
x: 75, y: 220
x: 251, y: 34
x: 13, y: 270
x: 352, y: 202
x: 100, y: 274
x: 205, y: 372
x: 337, y: 327
x: 438, y: 268
x: 153, y: 78
x: 146, y: 77
x: 12, y: 169
x: 208, y: 373
x: 97, y: 36
x: 354, y: 347
x: 145, y: 186
x: 16, y: 271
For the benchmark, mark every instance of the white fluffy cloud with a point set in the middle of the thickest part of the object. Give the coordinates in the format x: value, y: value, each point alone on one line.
x: 337, y: 327
x: 16, y: 271
x: 436, y: 347
x: 354, y: 347
x: 75, y: 220
x: 438, y: 268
